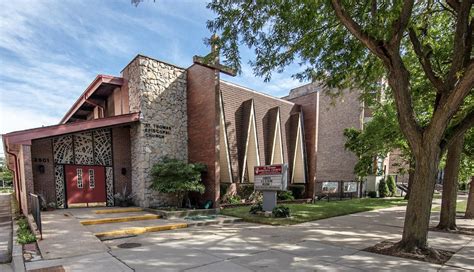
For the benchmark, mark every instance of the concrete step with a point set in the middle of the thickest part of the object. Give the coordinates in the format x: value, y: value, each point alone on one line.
x: 139, y: 230
x: 121, y: 219
x: 118, y: 210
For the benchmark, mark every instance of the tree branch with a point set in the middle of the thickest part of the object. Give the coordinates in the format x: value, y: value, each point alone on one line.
x: 424, y: 61
x: 459, y: 129
x: 400, y: 24
x: 460, y: 40
x: 450, y: 102
x: 375, y: 46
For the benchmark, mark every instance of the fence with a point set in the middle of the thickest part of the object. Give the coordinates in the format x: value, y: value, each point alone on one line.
x: 36, y: 211
x: 338, y: 189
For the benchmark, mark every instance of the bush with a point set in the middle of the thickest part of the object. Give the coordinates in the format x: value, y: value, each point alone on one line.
x: 256, y: 197
x: 177, y: 177
x: 281, y: 212
x: 234, y: 199
x: 24, y: 234
x: 372, y: 194
x: 297, y: 191
x: 285, y: 195
x: 463, y: 186
x: 383, y: 189
x: 256, y: 208
x: 392, y: 187
x: 245, y: 190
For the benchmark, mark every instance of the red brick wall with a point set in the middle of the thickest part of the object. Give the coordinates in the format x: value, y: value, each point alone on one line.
x: 203, y: 126
x: 309, y: 107
x: 121, y: 159
x: 233, y: 98
x: 42, y: 154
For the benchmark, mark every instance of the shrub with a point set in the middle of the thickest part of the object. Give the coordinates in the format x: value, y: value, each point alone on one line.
x: 256, y: 197
x: 392, y: 187
x: 281, y: 212
x: 177, y: 177
x: 463, y: 186
x: 285, y: 195
x: 372, y: 194
x: 234, y: 199
x: 256, y: 208
x: 24, y: 234
x: 297, y: 191
x: 245, y: 190
x: 383, y: 188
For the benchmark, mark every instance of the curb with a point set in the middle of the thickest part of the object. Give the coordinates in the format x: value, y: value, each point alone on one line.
x: 18, y: 264
x: 119, y: 219
x: 123, y: 210
x: 140, y: 230
x: 208, y: 223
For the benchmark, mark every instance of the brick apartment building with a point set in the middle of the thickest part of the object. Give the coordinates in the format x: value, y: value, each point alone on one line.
x: 122, y: 125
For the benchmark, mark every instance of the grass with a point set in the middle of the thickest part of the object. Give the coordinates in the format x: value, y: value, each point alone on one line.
x: 24, y: 234
x: 460, y: 207
x: 301, y: 213
x: 6, y: 190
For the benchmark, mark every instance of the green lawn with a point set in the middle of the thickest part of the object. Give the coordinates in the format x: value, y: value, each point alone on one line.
x: 460, y: 207
x: 322, y: 209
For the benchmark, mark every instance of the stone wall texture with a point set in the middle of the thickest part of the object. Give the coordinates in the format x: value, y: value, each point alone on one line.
x: 158, y: 91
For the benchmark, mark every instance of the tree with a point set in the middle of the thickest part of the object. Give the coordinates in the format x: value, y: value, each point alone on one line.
x: 177, y: 177
x: 470, y: 201
x: 383, y: 189
x: 5, y: 174
x: 392, y: 187
x: 421, y: 51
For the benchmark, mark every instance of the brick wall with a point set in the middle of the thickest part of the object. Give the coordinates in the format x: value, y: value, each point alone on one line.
x: 121, y: 159
x: 42, y: 154
x: 203, y: 126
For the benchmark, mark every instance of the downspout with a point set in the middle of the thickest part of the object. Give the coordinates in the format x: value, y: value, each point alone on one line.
x: 16, y: 171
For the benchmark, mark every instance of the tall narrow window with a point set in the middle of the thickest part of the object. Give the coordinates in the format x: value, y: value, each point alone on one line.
x: 298, y: 175
x: 79, y: 178
x: 252, y: 157
x: 91, y: 179
x: 277, y: 148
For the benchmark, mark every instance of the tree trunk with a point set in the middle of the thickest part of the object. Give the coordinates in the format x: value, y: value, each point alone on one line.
x: 410, y: 181
x: 470, y: 201
x: 417, y: 217
x: 447, y: 219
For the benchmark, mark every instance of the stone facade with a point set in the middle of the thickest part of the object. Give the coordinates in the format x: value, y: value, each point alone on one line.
x: 158, y: 91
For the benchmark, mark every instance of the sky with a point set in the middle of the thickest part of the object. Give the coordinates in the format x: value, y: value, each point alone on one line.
x: 51, y: 50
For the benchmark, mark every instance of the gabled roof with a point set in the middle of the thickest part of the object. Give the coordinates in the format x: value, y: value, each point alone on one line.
x: 95, y: 93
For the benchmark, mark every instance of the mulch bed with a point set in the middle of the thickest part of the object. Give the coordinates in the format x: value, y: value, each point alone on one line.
x: 436, y: 256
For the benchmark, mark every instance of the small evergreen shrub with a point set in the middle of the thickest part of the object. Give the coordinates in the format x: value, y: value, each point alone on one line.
x: 372, y: 194
x: 177, y: 177
x: 24, y: 234
x: 392, y: 187
x: 383, y: 189
x: 285, y: 195
x: 463, y: 186
x: 256, y: 208
x: 281, y: 212
x: 297, y: 191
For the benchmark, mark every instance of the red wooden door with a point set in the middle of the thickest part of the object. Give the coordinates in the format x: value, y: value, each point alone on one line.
x: 85, y: 184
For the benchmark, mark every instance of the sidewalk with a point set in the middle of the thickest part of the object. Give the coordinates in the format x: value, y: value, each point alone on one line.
x: 5, y: 229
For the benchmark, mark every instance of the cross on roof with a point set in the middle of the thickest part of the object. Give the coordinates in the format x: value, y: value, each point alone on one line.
x: 211, y: 60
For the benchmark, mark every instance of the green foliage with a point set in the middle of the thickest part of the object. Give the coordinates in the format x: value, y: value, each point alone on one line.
x: 256, y: 197
x: 392, y: 187
x: 297, y: 191
x: 177, y: 177
x: 24, y: 234
x: 234, y: 199
x: 5, y: 174
x: 256, y: 208
x: 372, y: 194
x: 281, y: 211
x: 463, y: 186
x: 285, y: 195
x: 245, y: 190
x: 383, y: 189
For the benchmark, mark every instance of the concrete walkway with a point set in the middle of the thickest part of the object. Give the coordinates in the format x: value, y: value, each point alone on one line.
x: 5, y: 229
x: 332, y: 244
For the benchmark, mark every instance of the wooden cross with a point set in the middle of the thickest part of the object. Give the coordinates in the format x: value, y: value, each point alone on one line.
x: 211, y: 60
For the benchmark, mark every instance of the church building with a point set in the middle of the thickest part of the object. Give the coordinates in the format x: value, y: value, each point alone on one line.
x: 120, y: 126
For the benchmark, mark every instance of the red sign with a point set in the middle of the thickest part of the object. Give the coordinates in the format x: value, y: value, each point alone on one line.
x: 268, y: 170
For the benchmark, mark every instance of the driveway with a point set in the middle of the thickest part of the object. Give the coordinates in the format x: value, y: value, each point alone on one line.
x: 332, y: 244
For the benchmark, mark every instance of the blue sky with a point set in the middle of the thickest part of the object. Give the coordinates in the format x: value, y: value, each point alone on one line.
x: 51, y: 50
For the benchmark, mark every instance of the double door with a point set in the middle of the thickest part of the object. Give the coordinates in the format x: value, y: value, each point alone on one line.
x: 85, y: 185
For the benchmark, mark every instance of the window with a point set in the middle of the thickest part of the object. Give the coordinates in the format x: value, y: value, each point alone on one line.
x: 79, y: 178
x: 91, y: 179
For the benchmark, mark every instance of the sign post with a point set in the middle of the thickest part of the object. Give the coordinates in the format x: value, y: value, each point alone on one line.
x: 270, y: 179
